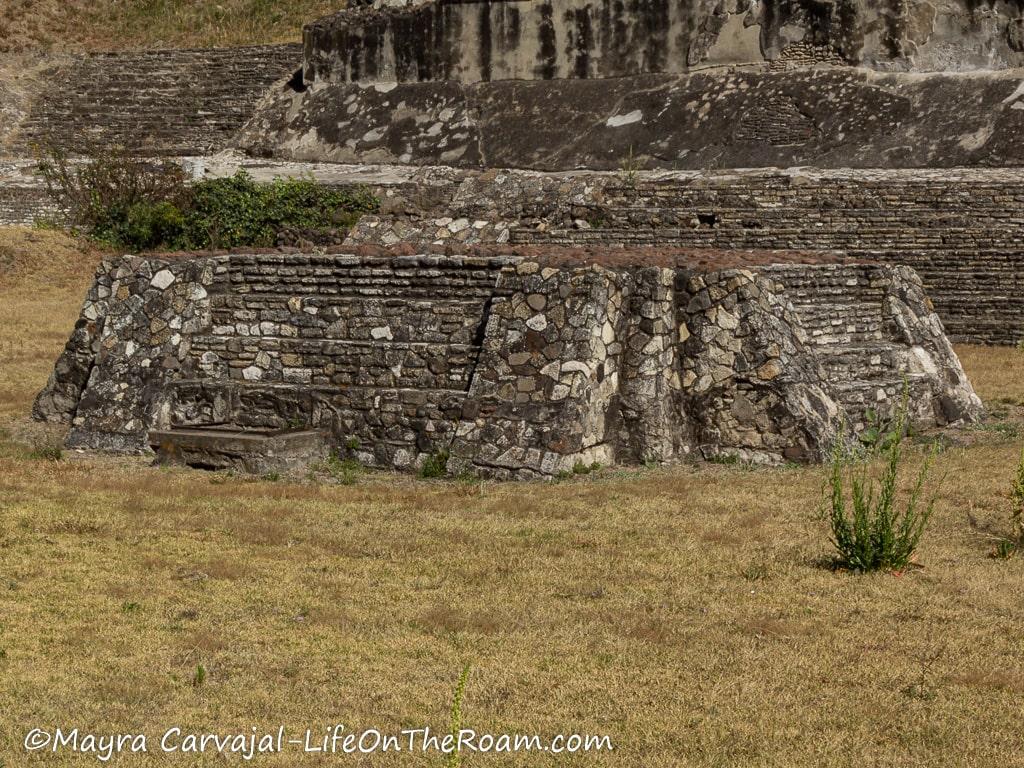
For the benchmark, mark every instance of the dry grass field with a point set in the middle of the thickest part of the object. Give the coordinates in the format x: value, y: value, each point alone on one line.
x: 689, y: 613
x: 105, y: 25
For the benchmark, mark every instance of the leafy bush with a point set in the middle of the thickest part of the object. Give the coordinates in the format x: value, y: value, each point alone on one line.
x: 119, y: 200
x: 435, y: 465
x: 225, y: 213
x: 346, y: 471
x: 141, y: 205
x: 150, y: 225
x: 878, y: 434
x: 874, y: 531
x: 47, y: 451
x: 1006, y: 545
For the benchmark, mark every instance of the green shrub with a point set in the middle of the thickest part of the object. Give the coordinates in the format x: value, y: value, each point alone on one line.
x: 872, y: 530
x: 435, y: 465
x: 235, y: 211
x: 150, y: 225
x: 878, y: 434
x: 1007, y: 545
x: 115, y: 198
x: 141, y: 205
x: 345, y: 471
x: 46, y: 451
x: 1004, y: 549
x: 454, y: 759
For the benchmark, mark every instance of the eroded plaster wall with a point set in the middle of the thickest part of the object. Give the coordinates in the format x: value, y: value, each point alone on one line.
x: 483, y: 41
x: 473, y: 41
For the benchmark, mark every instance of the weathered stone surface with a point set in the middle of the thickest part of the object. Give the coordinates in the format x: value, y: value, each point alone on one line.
x: 826, y: 117
x: 519, y: 368
x: 247, y: 451
x: 480, y: 41
x: 589, y: 39
x: 757, y: 388
x: 960, y: 229
x: 266, y: 327
x: 170, y: 102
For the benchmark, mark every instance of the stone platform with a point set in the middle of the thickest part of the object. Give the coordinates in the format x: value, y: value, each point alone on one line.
x: 518, y: 362
x: 959, y: 228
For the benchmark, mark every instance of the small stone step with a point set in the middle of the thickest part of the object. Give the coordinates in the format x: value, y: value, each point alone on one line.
x: 224, y: 447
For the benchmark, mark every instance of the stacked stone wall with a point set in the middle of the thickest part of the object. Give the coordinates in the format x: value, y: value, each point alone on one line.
x: 173, y: 102
x: 825, y: 117
x: 23, y: 205
x: 473, y: 40
x: 963, y: 231
x: 874, y: 334
x: 377, y: 350
x: 519, y: 365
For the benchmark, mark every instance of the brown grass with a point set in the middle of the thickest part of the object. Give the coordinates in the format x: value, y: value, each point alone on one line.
x: 995, y: 372
x: 686, y: 612
x: 43, y: 279
x: 110, y: 25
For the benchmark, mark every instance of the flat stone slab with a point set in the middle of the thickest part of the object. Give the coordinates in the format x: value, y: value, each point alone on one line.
x: 245, y: 450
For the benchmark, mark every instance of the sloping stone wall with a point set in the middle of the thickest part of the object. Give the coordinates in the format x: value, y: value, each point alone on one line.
x: 962, y: 232
x: 960, y: 229
x: 481, y: 41
x: 24, y: 204
x: 133, y: 336
x: 827, y: 117
x: 752, y: 381
x: 874, y: 332
x: 519, y: 365
x: 270, y: 340
x: 173, y: 102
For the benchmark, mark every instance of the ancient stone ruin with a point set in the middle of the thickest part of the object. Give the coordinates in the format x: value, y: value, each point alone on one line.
x: 669, y: 84
x: 608, y: 232
x: 517, y: 364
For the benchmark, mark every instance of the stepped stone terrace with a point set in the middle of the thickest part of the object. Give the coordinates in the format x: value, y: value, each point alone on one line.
x: 515, y: 361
